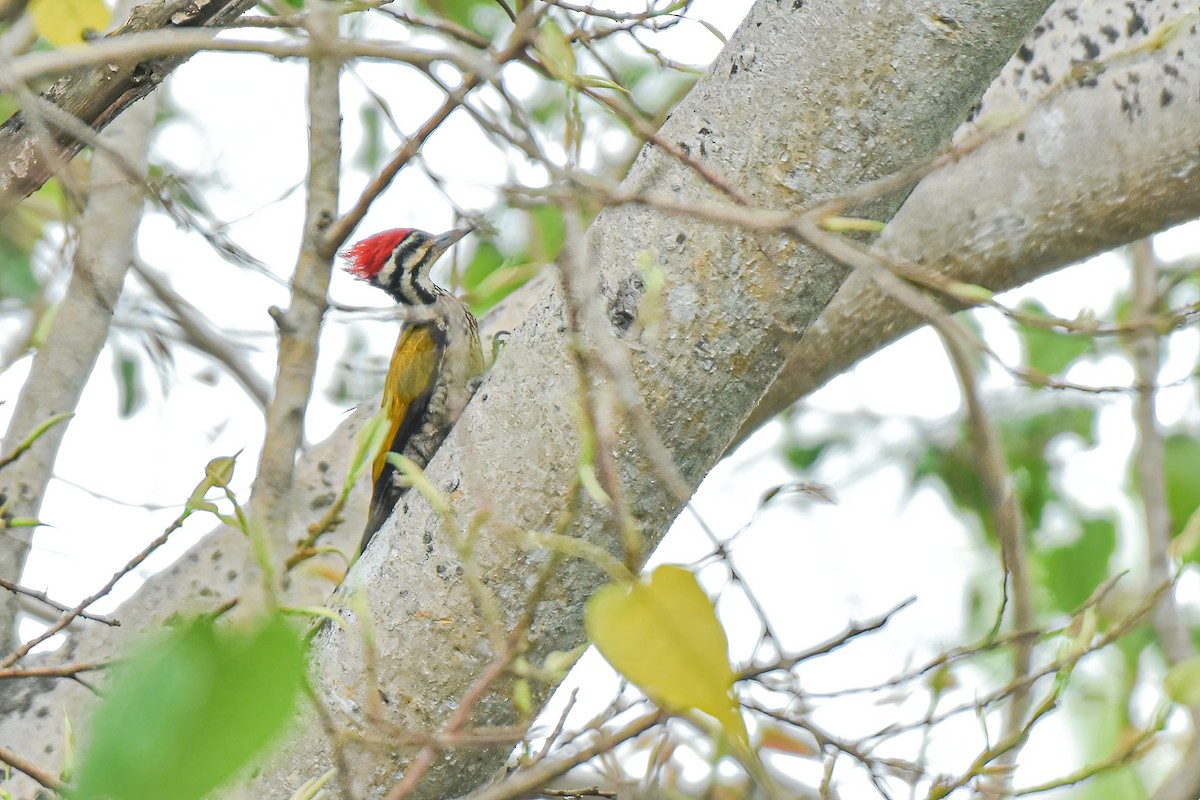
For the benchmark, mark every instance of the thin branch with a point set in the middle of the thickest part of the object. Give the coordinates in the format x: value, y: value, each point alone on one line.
x: 525, y: 780
x: 200, y: 334
x: 59, y: 671
x: 32, y: 770
x: 300, y: 326
x: 42, y: 597
x: 84, y: 604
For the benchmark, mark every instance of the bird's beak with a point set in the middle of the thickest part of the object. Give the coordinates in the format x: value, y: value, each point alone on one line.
x: 448, y: 238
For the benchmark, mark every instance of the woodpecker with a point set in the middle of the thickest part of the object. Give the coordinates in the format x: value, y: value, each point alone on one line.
x: 436, y: 361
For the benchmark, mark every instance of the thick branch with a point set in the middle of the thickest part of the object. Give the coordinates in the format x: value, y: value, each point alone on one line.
x: 1084, y: 172
x: 65, y: 361
x: 729, y: 300
x: 300, y: 325
x: 97, y: 95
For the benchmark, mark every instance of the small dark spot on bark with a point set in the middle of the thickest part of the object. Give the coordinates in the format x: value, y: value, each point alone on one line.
x: 142, y: 73
x: 1038, y: 30
x: 703, y: 150
x: 48, y: 749
x: 797, y: 5
x: 43, y: 712
x: 1042, y: 75
x: 231, y: 575
x: 681, y: 238
x: 1090, y: 48
x: 427, y: 538
x: 217, y: 555
x: 1136, y: 21
x: 1173, y: 71
x: 1072, y: 15
x: 1025, y: 54
x: 1021, y: 136
x: 1165, y: 98
x: 441, y: 570
x: 733, y: 69
x: 1110, y: 33
x: 323, y: 466
x: 686, y: 148
x: 387, y: 701
x: 623, y: 308
x: 705, y: 131
x: 322, y: 501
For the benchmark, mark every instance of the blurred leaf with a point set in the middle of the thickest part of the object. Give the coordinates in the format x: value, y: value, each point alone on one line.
x: 370, y: 151
x: 486, y: 259
x: 129, y: 383
x: 773, y: 737
x: 1025, y: 440
x: 1181, y: 472
x: 368, y: 441
x: 1182, y: 683
x: 483, y: 17
x: 16, y: 273
x: 1071, y: 572
x: 188, y: 712
x: 664, y: 636
x: 802, y: 457
x: 64, y: 22
x: 598, y: 82
x: 549, y: 232
x: 1046, y: 351
x: 556, y: 51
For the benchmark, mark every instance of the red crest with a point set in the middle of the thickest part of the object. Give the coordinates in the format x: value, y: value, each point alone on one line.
x: 366, y: 258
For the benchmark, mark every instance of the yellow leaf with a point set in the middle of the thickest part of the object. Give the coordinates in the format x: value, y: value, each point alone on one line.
x: 63, y: 22
x: 665, y: 638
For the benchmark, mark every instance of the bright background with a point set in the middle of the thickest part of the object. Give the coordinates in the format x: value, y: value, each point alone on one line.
x: 814, y: 566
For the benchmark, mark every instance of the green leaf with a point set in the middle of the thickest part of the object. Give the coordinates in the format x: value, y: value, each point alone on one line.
x: 714, y: 30
x: 1050, y: 352
x: 549, y: 232
x: 1181, y: 471
x: 556, y: 51
x: 598, y: 82
x: 1070, y: 573
x: 664, y: 636
x: 480, y: 16
x: 369, y: 440
x: 190, y: 711
x: 64, y: 22
x: 16, y: 273
x: 1182, y: 683
x: 130, y: 396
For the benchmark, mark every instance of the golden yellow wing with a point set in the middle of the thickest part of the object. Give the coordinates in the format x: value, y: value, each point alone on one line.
x: 406, y: 389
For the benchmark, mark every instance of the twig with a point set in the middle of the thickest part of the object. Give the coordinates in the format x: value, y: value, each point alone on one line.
x: 42, y: 597
x: 338, y: 232
x: 461, y: 715
x: 133, y: 564
x: 525, y: 780
x: 845, y: 637
x: 32, y: 770
x: 201, y: 335
x: 60, y: 671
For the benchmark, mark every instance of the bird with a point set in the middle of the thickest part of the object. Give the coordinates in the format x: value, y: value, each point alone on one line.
x: 437, y: 360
